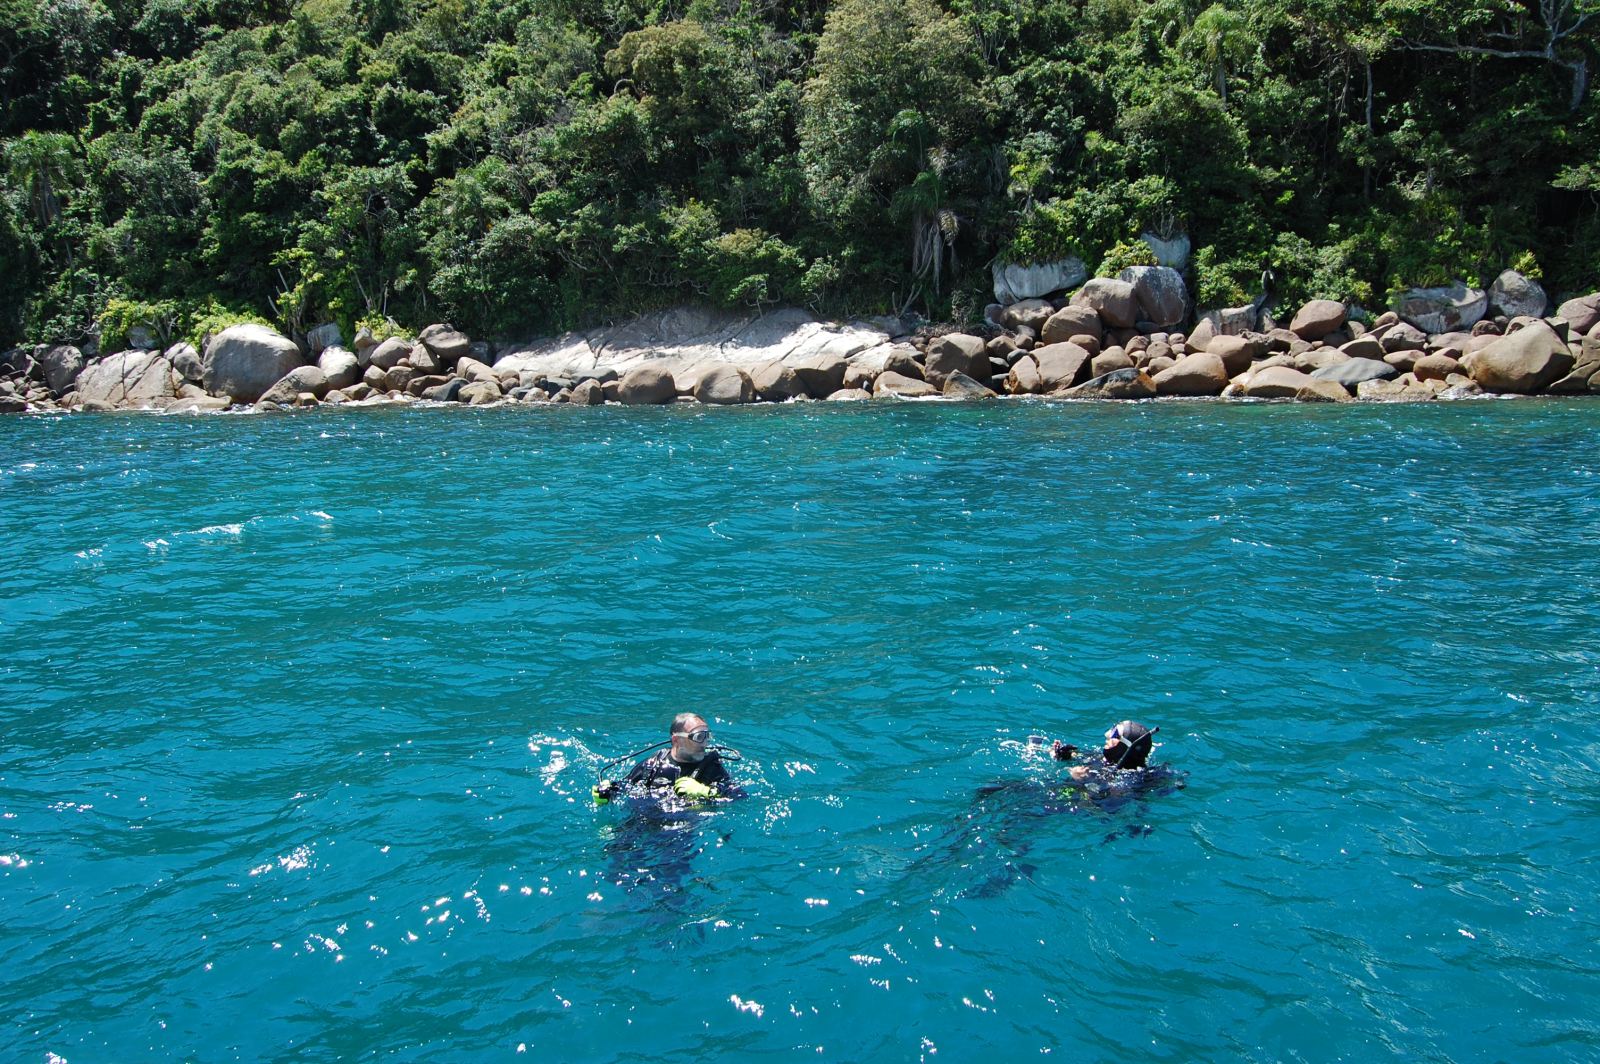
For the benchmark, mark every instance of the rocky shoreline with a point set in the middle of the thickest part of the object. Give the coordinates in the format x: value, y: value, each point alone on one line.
x: 1104, y: 341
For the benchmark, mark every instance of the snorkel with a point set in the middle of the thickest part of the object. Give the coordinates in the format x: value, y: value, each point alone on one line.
x: 1143, y: 743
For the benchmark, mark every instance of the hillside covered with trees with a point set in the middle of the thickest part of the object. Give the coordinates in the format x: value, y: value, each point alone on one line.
x: 524, y: 166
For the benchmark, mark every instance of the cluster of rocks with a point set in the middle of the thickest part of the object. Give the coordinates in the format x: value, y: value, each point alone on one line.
x: 1101, y: 343
x: 1111, y: 338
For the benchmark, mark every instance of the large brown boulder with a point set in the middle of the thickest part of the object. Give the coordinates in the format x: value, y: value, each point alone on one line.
x: 1583, y: 313
x: 1437, y: 366
x: 1113, y: 300
x: 647, y: 385
x: 129, y: 379
x: 1028, y: 313
x: 586, y: 393
x: 820, y: 374
x: 446, y: 342
x: 1364, y: 347
x: 298, y: 380
x: 725, y: 385
x: 1023, y: 377
x: 1193, y: 375
x: 1061, y: 365
x: 1526, y: 361
x: 475, y: 372
x: 1072, y: 321
x: 1236, y: 352
x: 1276, y: 382
x: 890, y: 383
x: 956, y: 353
x: 1318, y: 318
x: 960, y: 386
x: 243, y: 361
x: 776, y: 382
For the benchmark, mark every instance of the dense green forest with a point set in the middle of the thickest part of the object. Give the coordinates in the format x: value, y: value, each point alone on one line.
x: 525, y: 166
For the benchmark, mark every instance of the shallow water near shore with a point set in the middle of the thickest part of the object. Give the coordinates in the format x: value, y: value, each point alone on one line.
x: 301, y: 716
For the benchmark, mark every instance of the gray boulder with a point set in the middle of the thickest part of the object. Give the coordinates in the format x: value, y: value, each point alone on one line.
x: 446, y: 342
x: 340, y: 366
x: 390, y: 353
x: 1227, y: 321
x: 61, y: 367
x: 955, y: 353
x: 1014, y: 283
x: 447, y: 392
x: 1126, y: 383
x: 1441, y: 310
x: 647, y: 385
x: 298, y: 380
x: 187, y: 362
x: 1173, y: 251
x: 323, y: 337
x: 243, y: 361
x: 1318, y: 318
x: 1402, y: 336
x: 1516, y: 295
x: 129, y: 379
x: 726, y: 385
x: 1162, y: 295
x: 1199, y: 374
x: 1351, y: 372
x: 1526, y: 361
x: 1112, y: 299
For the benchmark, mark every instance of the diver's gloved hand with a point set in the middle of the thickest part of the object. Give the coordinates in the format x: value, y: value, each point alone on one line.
x: 692, y: 788
x: 604, y: 791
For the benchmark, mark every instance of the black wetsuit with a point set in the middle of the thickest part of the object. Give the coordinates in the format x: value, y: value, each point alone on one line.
x: 1110, y: 788
x: 662, y: 770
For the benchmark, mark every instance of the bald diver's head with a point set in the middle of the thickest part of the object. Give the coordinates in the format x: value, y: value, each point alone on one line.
x: 690, y: 734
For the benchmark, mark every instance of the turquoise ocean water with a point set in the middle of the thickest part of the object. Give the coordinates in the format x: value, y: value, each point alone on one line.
x: 300, y: 716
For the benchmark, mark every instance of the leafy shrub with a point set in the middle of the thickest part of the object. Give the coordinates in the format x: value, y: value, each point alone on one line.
x: 1121, y: 256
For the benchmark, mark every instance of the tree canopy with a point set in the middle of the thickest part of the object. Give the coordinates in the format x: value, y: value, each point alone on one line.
x: 528, y: 166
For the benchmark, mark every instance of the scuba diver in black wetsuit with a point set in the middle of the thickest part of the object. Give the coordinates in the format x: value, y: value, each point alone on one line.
x: 654, y: 847
x: 994, y: 837
x: 688, y: 767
